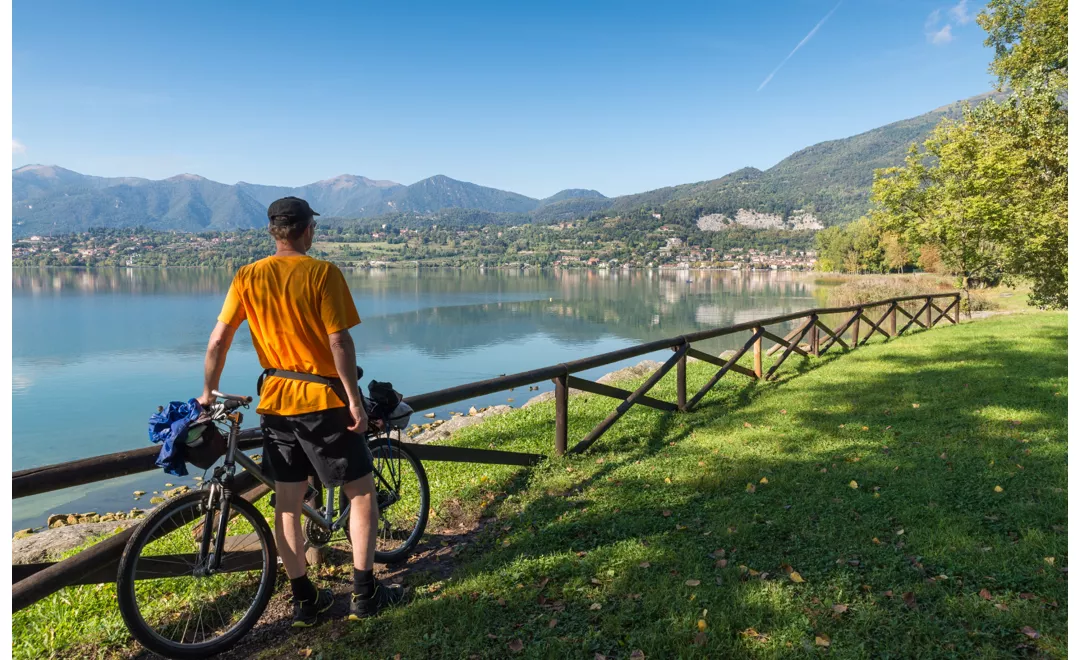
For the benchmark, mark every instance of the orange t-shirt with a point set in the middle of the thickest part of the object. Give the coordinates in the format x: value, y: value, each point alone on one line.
x: 292, y: 305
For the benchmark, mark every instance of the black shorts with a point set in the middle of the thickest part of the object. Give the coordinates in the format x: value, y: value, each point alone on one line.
x: 296, y: 447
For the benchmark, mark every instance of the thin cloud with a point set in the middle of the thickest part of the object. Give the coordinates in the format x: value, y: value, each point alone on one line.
x: 933, y: 19
x: 959, y: 13
x: 802, y: 43
x: 956, y: 15
x: 17, y: 147
x: 940, y: 37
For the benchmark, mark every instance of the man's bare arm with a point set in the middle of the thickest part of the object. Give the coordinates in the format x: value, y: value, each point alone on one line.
x: 344, y: 351
x: 220, y: 341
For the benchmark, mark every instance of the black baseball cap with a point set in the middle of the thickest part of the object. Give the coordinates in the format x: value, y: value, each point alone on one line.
x: 290, y: 211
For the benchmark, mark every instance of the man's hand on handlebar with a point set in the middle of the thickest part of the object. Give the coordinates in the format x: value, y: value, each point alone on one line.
x: 359, y: 417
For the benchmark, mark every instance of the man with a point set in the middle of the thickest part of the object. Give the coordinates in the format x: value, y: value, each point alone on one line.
x: 299, y: 311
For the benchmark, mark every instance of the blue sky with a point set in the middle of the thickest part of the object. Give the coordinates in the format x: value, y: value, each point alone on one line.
x: 532, y: 97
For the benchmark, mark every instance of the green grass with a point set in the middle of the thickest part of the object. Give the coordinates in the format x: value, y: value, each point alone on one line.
x: 926, y: 426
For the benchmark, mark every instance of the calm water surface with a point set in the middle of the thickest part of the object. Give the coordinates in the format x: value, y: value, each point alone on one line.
x: 95, y: 352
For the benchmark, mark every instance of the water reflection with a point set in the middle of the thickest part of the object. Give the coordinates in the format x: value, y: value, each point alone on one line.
x: 111, y: 345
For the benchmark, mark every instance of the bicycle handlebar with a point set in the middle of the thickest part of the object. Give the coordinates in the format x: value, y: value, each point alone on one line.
x: 232, y: 401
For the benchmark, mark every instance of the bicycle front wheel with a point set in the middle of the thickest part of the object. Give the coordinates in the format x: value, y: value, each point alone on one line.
x: 404, y: 499
x: 169, y: 600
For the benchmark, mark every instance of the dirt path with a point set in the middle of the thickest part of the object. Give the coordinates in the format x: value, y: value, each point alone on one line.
x: 432, y: 561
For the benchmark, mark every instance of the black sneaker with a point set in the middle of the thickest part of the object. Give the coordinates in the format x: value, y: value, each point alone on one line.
x: 384, y: 596
x: 306, y: 612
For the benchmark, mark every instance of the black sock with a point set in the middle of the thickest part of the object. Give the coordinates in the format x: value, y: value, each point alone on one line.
x: 303, y: 589
x: 363, y: 583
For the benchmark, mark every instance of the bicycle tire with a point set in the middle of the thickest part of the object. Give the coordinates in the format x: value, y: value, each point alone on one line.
x: 396, y: 448
x: 129, y: 564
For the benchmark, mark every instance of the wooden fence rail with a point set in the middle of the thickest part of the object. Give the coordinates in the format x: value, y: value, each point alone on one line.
x: 96, y: 563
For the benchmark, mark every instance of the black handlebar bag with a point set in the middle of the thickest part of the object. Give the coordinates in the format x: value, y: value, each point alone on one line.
x: 204, y: 445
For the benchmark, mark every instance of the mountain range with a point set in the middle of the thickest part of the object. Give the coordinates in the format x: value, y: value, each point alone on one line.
x: 830, y: 180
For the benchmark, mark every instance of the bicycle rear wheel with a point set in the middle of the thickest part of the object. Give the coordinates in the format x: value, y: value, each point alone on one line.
x: 404, y: 500
x: 171, y: 605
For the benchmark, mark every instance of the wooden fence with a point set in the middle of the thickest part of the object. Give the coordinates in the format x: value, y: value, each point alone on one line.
x: 98, y: 563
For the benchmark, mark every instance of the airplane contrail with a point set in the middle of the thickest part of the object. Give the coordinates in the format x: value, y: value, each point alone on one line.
x: 805, y: 39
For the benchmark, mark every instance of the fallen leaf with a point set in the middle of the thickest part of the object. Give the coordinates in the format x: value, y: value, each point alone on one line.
x: 1001, y: 606
x: 637, y: 654
x: 866, y: 428
x: 754, y: 635
x: 1030, y: 632
x: 701, y: 625
x: 599, y: 656
x: 796, y: 578
x: 1049, y: 560
x: 999, y: 489
x: 491, y: 636
x: 553, y: 623
x: 701, y: 463
x: 747, y: 425
x: 822, y: 640
x: 839, y: 609
x: 899, y: 532
x: 875, y: 541
x: 985, y: 594
x: 667, y: 513
x: 764, y: 480
x: 753, y: 573
x: 680, y: 527
x: 701, y: 638
x: 909, y: 600
x: 914, y: 405
x: 595, y: 606
x: 594, y: 581
x: 750, y: 488
x: 853, y: 484
x: 693, y: 583
x: 516, y: 645
x: 502, y: 602
x: 667, y: 480
x: 1026, y: 596
x: 943, y: 456
x: 721, y: 563
x: 644, y: 564
x: 305, y: 653
x: 783, y: 412
x: 889, y: 593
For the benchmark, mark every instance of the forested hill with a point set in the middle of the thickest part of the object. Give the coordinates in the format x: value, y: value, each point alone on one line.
x: 830, y: 181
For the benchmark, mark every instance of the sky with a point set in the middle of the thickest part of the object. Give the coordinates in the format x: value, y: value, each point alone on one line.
x: 621, y: 97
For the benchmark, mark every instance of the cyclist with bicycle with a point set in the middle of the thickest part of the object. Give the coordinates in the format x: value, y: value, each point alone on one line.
x: 299, y: 311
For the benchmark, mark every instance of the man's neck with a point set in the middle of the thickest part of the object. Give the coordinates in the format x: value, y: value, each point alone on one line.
x: 289, y: 249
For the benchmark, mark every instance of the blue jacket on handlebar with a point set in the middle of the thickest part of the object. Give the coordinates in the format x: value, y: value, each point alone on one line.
x: 170, y: 427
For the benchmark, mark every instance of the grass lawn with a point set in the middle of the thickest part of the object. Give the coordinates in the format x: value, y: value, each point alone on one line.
x: 904, y: 500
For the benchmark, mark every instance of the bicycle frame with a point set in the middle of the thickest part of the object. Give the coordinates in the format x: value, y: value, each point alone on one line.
x: 234, y: 458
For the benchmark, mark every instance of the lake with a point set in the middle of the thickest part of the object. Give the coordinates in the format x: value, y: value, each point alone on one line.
x: 95, y: 352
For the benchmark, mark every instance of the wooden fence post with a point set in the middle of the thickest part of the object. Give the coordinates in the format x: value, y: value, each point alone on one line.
x: 815, y: 340
x: 561, y: 396
x: 680, y: 382
x: 956, y: 310
x: 855, y: 330
x: 892, y: 321
x: 757, y: 354
x: 929, y: 313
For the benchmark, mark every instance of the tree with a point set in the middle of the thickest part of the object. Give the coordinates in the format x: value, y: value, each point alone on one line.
x: 990, y: 192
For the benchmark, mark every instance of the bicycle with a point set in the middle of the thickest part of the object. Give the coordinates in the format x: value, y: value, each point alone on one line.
x: 200, y: 570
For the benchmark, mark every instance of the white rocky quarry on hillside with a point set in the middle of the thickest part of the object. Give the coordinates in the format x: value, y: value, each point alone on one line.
x: 799, y: 220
